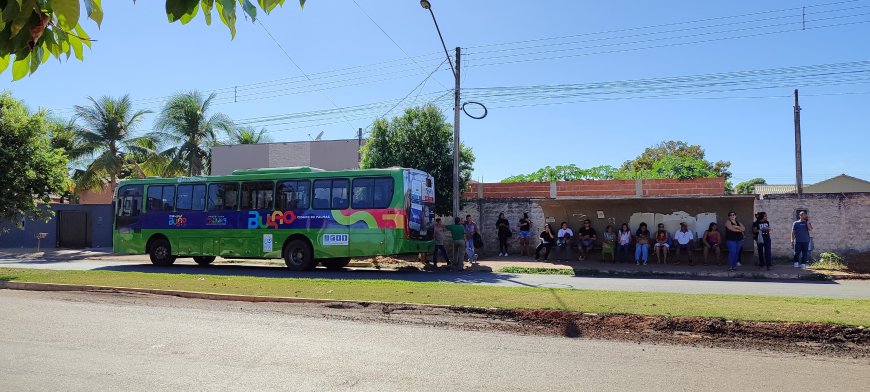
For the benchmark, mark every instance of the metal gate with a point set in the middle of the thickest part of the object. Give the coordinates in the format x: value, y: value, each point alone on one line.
x: 73, y: 230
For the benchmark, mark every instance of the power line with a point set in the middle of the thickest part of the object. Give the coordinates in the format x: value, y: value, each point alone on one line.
x: 394, y: 41
x: 664, y: 25
x: 297, y: 65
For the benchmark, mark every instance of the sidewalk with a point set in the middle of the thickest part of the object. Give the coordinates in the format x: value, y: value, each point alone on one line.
x: 491, y: 264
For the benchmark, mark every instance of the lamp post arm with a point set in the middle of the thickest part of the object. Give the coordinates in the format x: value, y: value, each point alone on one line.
x: 442, y: 42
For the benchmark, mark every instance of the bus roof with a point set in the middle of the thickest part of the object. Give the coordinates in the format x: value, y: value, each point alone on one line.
x: 266, y: 174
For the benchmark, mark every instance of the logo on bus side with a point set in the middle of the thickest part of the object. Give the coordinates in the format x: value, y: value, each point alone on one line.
x: 272, y: 220
x: 216, y: 220
x: 177, y: 220
x: 335, y: 239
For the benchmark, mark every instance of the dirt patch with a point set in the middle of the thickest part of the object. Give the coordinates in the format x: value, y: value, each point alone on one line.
x: 859, y: 262
x: 793, y: 337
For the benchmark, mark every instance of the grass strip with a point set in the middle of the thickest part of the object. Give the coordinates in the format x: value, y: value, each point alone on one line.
x: 537, y: 270
x: 732, y: 307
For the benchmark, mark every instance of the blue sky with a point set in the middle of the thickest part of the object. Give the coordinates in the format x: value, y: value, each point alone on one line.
x: 351, y: 62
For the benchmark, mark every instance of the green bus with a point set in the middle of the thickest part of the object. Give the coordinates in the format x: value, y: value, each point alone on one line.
x: 304, y: 215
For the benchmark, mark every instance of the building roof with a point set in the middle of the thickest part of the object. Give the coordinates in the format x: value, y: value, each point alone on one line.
x: 837, y: 184
x: 774, y: 189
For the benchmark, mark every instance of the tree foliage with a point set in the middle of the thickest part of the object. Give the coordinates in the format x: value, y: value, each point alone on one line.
x: 565, y: 173
x: 189, y: 130
x: 419, y: 139
x: 32, y: 169
x: 670, y: 159
x: 108, y: 136
x: 32, y: 31
x: 247, y: 135
x: 748, y: 187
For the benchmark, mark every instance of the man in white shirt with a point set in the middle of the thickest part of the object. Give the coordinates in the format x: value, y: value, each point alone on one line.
x: 684, y: 239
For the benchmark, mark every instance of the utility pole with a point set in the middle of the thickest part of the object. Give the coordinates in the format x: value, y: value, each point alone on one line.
x: 456, y: 145
x: 797, y: 146
x: 359, y: 149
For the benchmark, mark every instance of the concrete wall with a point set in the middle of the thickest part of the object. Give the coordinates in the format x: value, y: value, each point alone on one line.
x: 99, y: 218
x: 324, y: 154
x: 841, y: 221
x: 697, y: 211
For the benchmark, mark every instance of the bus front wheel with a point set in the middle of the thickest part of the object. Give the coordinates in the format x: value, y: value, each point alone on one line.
x: 161, y: 252
x: 335, y: 264
x: 298, y: 256
x: 203, y: 260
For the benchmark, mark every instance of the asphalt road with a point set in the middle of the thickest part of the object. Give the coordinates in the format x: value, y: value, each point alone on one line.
x: 800, y: 288
x: 92, y: 342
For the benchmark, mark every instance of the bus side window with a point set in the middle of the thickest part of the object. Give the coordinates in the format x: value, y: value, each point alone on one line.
x: 383, y: 193
x: 168, y: 197
x: 340, y: 194
x: 322, y: 192
x: 223, y: 196
x: 130, y: 200
x: 198, y: 199
x: 155, y: 198
x: 362, y: 193
x: 292, y: 195
x: 257, y: 195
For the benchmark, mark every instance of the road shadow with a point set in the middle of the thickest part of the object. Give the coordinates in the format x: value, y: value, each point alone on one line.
x: 268, y: 271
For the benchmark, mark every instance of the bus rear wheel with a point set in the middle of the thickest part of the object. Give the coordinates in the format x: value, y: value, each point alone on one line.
x: 298, y: 256
x: 161, y: 252
x: 204, y: 260
x: 335, y: 264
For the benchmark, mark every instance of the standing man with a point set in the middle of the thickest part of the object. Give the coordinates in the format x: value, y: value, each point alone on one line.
x: 470, y: 230
x: 684, y: 239
x: 587, y: 239
x: 439, y: 243
x: 457, y: 232
x: 800, y: 239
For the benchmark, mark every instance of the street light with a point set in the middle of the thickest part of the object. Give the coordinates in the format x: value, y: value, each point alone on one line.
x: 456, y: 108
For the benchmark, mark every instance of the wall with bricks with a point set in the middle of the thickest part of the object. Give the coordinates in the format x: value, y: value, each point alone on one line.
x: 596, y: 188
x: 841, y: 221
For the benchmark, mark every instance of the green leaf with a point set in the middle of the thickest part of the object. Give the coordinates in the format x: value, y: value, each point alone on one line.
x: 44, y: 54
x: 176, y: 9
x: 86, y: 39
x: 249, y: 9
x: 24, y: 14
x: 269, y: 5
x: 206, y: 6
x: 11, y: 11
x: 4, y: 63
x: 36, y: 58
x: 302, y: 4
x: 67, y: 12
x: 227, y: 11
x: 95, y: 11
x: 186, y: 18
x: 21, y: 66
x: 77, y: 47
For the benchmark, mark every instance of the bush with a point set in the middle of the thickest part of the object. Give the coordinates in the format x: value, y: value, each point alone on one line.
x: 831, y: 261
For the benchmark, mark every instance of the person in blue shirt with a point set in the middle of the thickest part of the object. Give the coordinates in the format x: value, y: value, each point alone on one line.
x: 800, y: 239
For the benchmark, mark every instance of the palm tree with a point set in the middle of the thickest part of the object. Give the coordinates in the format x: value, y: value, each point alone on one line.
x: 108, y: 134
x: 248, y: 135
x: 185, y: 125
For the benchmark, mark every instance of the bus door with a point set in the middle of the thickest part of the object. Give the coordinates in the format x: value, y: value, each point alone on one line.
x: 128, y: 229
x: 331, y: 219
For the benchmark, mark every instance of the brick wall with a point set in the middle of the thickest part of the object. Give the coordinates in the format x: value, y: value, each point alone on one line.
x: 485, y: 213
x: 598, y: 188
x: 841, y: 221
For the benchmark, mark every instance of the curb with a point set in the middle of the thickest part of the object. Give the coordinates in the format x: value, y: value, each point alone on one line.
x: 32, y: 286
